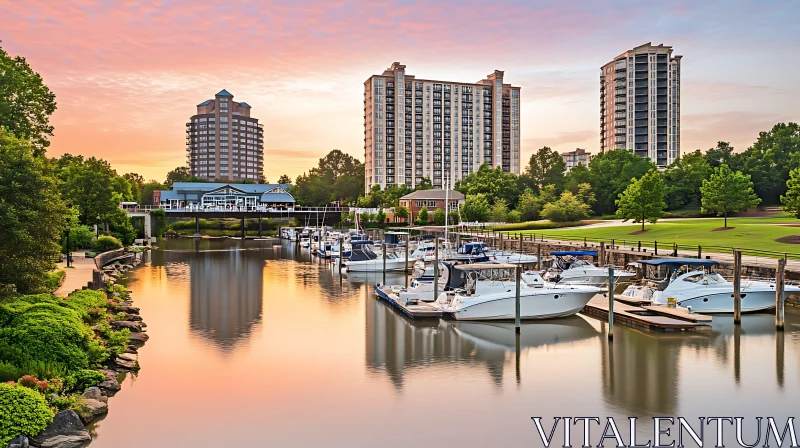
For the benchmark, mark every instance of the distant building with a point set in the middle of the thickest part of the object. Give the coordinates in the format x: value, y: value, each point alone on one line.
x: 224, y: 142
x: 577, y: 157
x: 440, y: 130
x: 224, y: 196
x: 640, y: 103
x: 432, y: 199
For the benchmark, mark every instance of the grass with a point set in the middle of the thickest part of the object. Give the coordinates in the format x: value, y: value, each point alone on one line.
x: 230, y: 233
x: 746, y: 233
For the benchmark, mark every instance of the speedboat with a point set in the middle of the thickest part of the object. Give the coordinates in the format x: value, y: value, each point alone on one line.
x: 305, y: 242
x: 364, y: 259
x: 568, y: 269
x: 690, y: 283
x: 504, y: 256
x: 489, y: 293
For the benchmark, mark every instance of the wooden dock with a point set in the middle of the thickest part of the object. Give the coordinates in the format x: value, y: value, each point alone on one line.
x: 641, y: 318
x: 419, y: 310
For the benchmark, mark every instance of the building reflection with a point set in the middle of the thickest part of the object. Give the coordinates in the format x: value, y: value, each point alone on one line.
x: 396, y: 347
x: 226, y: 295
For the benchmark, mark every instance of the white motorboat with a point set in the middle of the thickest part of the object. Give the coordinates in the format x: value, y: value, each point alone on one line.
x: 568, y: 269
x: 504, y: 256
x: 364, y: 259
x: 305, y: 242
x: 489, y: 293
x: 692, y: 284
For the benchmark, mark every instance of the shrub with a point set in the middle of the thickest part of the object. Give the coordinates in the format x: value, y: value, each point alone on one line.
x: 118, y: 341
x: 80, y: 237
x: 567, y: 208
x: 40, y: 369
x: 24, y: 412
x: 514, y: 216
x: 53, y: 280
x: 63, y: 402
x: 106, y: 243
x: 83, y: 379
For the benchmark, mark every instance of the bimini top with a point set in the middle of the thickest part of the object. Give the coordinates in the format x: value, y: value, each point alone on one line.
x: 675, y: 263
x: 362, y: 242
x: 575, y: 253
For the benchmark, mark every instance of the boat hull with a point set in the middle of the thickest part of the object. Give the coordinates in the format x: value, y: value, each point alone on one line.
x: 544, y: 304
x: 722, y: 302
x: 375, y: 265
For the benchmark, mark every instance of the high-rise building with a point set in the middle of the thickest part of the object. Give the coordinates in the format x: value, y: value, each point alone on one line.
x: 574, y: 158
x: 640, y: 103
x: 224, y: 142
x: 440, y: 130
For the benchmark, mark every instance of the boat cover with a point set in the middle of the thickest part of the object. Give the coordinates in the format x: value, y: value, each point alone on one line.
x: 575, y: 253
x: 675, y: 263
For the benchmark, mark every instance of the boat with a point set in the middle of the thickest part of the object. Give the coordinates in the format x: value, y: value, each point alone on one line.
x: 691, y: 283
x: 504, y: 256
x: 569, y: 269
x: 364, y: 259
x: 489, y: 293
x: 305, y: 242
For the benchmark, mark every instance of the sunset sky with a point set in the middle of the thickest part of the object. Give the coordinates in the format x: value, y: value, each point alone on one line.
x: 128, y: 74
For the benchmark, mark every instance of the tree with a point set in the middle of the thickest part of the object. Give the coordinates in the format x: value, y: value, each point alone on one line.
x: 727, y: 191
x: 493, y: 183
x: 146, y: 192
x: 579, y: 174
x: 380, y: 217
x: 285, y: 180
x: 476, y: 208
x: 91, y: 186
x: 547, y: 167
x: 181, y: 174
x: 499, y: 211
x: 425, y: 184
x: 769, y: 160
x: 643, y: 200
x: 422, y: 216
x: 683, y: 179
x: 610, y: 173
x: 438, y: 217
x: 721, y: 155
x: 401, y: 212
x: 25, y: 102
x: 529, y: 206
x: 453, y: 218
x: 337, y: 176
x: 791, y: 200
x: 585, y: 194
x: 567, y: 208
x: 514, y: 216
x: 32, y: 214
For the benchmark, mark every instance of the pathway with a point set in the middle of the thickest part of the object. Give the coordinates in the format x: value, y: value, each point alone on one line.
x: 78, y: 276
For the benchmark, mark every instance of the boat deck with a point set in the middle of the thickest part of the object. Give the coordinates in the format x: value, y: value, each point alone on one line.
x: 638, y: 317
x: 421, y: 310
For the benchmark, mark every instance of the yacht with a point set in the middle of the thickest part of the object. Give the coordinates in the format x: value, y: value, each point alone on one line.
x: 568, y: 269
x: 364, y: 259
x: 489, y: 293
x: 504, y: 256
x: 693, y: 285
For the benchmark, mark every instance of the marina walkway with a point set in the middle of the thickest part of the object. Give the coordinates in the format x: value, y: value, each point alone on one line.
x: 78, y: 276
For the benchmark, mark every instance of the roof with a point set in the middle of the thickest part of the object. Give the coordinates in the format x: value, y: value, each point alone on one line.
x: 435, y: 194
x: 575, y: 253
x: 193, y: 191
x: 224, y: 92
x: 484, y: 266
x: 277, y: 197
x: 675, y: 263
x: 243, y: 104
x: 206, y: 102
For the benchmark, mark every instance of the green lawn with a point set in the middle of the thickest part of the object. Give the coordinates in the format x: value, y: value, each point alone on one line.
x: 747, y: 233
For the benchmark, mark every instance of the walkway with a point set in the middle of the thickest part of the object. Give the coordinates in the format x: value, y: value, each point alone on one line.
x: 78, y: 276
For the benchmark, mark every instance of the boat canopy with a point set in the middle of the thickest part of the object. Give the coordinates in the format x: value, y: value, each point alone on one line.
x: 675, y: 263
x: 575, y: 253
x: 362, y: 252
x: 362, y: 242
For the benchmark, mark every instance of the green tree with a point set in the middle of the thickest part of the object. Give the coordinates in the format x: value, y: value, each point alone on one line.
x: 769, y: 160
x: 585, y: 194
x: 643, y: 200
x: 579, y: 174
x: 514, y: 216
x: 438, y: 217
x: 401, y: 212
x: 422, y: 216
x: 727, y: 191
x: 181, y: 174
x: 476, y: 208
x: 25, y: 102
x: 529, y: 206
x: 567, y: 208
x: 611, y: 172
x: 91, y: 185
x: 683, y: 179
x: 500, y: 211
x: 720, y: 155
x: 547, y: 167
x: 285, y: 180
x: 146, y: 192
x: 425, y: 184
x: 32, y: 214
x: 380, y: 217
x: 493, y: 183
x: 453, y: 218
x: 791, y: 200
x: 337, y: 176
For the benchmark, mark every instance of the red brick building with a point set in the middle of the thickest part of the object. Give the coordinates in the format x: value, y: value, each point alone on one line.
x: 432, y: 199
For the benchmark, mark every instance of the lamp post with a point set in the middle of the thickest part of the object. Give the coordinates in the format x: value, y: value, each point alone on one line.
x: 66, y: 246
x: 97, y: 228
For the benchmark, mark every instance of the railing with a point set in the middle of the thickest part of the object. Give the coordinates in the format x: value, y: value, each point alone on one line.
x: 212, y: 209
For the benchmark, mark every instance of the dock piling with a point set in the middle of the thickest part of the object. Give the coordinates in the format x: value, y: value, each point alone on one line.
x: 611, y: 303
x: 520, y: 242
x: 779, y: 289
x: 384, y: 263
x: 699, y: 251
x: 539, y: 257
x: 341, y: 253
x: 259, y: 225
x: 243, y: 228
x: 655, y: 247
x: 518, y: 275
x: 436, y: 269
x: 408, y: 249
x: 737, y: 287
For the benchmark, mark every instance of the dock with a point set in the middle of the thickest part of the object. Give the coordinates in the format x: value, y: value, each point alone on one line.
x: 419, y: 310
x: 653, y: 318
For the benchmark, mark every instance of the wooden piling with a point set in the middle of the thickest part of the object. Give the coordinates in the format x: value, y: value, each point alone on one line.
x: 408, y: 249
x: 779, y: 289
x: 384, y: 262
x: 341, y: 253
x: 518, y: 275
x: 610, y: 303
x: 699, y: 251
x: 737, y: 287
x: 259, y: 225
x: 539, y: 257
x: 520, y: 242
x: 655, y: 247
x: 436, y: 269
x: 602, y: 260
x: 243, y: 234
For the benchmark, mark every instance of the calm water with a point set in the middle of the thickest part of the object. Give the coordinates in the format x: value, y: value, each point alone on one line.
x: 255, y: 344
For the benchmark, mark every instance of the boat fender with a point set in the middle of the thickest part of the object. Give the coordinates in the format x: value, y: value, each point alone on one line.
x: 689, y: 309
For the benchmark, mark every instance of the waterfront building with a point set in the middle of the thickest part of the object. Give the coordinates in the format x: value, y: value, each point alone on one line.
x: 432, y: 199
x: 574, y: 158
x: 440, y: 130
x: 640, y: 103
x: 224, y: 195
x: 223, y: 141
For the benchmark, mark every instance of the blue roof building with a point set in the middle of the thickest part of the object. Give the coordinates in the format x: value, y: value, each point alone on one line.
x: 224, y: 195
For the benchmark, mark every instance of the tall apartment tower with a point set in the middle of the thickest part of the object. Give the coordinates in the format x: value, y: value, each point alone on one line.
x: 640, y: 103
x: 224, y: 142
x: 440, y: 130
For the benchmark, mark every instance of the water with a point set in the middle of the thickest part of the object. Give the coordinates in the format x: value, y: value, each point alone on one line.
x: 256, y: 344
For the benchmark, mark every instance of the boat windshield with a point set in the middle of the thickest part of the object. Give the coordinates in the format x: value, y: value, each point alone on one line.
x: 711, y: 278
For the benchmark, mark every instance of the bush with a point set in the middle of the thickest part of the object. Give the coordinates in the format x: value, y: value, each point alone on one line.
x: 24, y: 412
x: 118, y: 341
x: 106, y: 243
x: 567, y: 208
x: 514, y: 216
x: 80, y: 237
x: 54, y: 280
x: 541, y: 225
x: 83, y: 379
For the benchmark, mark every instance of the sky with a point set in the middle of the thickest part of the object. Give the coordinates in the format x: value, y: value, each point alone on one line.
x: 127, y: 75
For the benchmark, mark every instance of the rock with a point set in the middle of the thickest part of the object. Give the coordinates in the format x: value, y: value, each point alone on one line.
x: 124, y: 309
x: 138, y: 339
x: 65, y: 431
x: 96, y: 408
x: 128, y: 357
x: 18, y: 442
x: 125, y: 364
x: 110, y: 385
x: 135, y: 327
x: 116, y: 294
x: 132, y: 349
x: 94, y: 393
